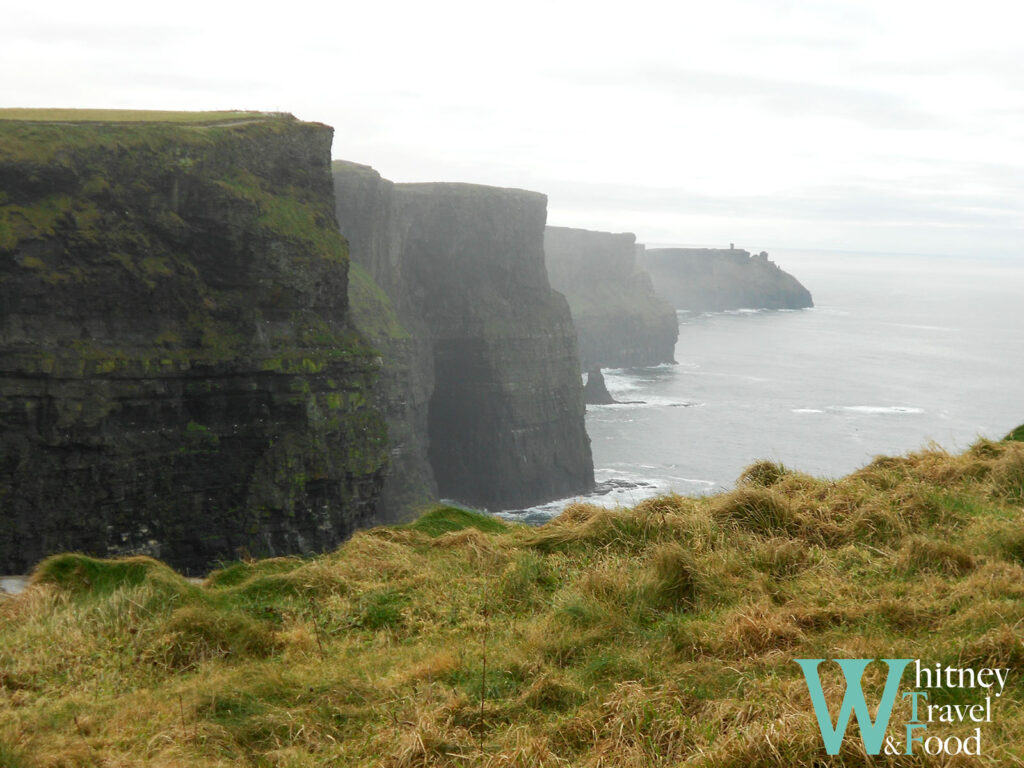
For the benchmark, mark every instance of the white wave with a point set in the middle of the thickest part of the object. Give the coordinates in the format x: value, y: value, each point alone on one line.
x: 912, y: 326
x: 13, y: 584
x: 807, y: 410
x: 875, y: 409
x: 617, y: 381
x: 615, y: 488
x: 639, y: 370
x: 648, y: 402
x: 694, y: 481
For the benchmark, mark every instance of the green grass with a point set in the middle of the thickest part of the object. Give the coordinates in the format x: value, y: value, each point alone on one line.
x: 370, y: 307
x: 442, y: 520
x: 131, y: 116
x: 661, y: 635
x: 12, y: 758
x: 290, y: 213
x: 1016, y: 435
x: 81, y: 574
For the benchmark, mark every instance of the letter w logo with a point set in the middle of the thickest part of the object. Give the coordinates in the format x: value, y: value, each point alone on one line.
x: 871, y: 733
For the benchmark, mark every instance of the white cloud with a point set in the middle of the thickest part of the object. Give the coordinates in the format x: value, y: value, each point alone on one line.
x: 768, y: 123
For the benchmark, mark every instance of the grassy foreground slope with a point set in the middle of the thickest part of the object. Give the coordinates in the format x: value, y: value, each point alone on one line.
x: 659, y: 635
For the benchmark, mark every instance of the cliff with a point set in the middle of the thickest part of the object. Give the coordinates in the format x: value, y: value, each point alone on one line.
x: 713, y: 279
x: 177, y: 372
x: 620, y: 321
x: 463, y: 266
x: 364, y: 212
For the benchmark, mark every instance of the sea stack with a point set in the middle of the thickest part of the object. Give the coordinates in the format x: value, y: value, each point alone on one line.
x: 595, y: 391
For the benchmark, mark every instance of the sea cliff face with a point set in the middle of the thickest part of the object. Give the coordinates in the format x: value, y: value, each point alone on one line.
x: 712, y: 280
x: 464, y: 268
x: 620, y: 321
x: 178, y: 375
x: 364, y: 204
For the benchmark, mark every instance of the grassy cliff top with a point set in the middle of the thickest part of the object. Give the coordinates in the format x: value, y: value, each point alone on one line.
x: 135, y: 116
x: 59, y: 136
x: 654, y: 636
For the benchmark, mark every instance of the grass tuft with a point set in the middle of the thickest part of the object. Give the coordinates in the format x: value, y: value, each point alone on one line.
x: 677, y: 580
x: 922, y: 555
x: 233, y: 574
x: 1009, y: 543
x: 755, y: 509
x: 13, y: 758
x: 1002, y: 647
x: 196, y: 633
x: 1017, y: 435
x: 552, y: 692
x: 780, y: 557
x: 380, y: 609
x: 79, y: 574
x: 764, y: 474
x: 441, y: 520
x: 1007, y: 475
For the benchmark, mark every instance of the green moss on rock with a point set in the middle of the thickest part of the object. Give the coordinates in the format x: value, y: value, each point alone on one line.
x: 371, y: 309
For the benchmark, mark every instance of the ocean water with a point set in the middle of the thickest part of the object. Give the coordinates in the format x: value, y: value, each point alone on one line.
x: 897, y: 353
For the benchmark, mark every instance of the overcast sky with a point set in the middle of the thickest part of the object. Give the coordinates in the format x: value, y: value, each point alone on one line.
x: 885, y: 126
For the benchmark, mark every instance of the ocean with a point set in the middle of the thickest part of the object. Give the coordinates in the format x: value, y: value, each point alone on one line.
x: 899, y: 352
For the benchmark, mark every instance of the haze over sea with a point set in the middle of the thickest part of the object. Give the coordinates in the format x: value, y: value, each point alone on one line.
x: 899, y: 351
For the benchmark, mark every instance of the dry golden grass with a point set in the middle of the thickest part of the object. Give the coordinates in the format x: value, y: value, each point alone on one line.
x: 662, y: 635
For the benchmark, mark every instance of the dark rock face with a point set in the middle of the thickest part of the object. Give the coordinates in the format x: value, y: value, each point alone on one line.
x: 620, y: 321
x: 712, y: 280
x: 464, y: 268
x: 177, y: 372
x: 595, y: 391
x: 364, y: 210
